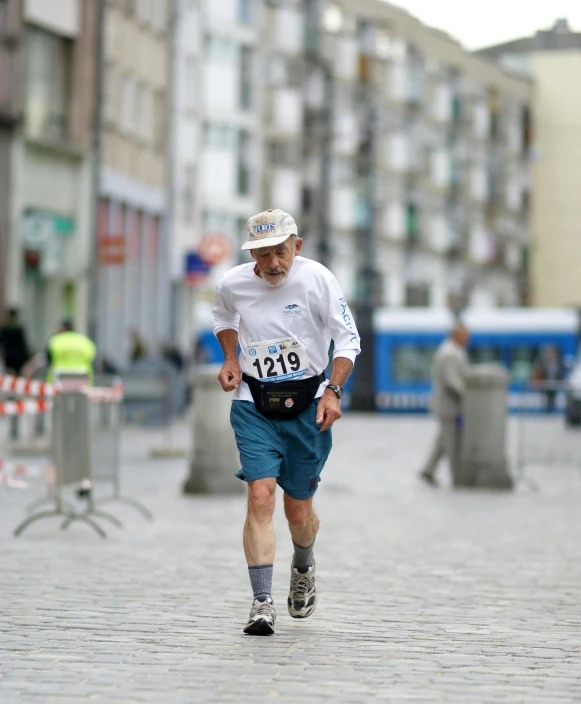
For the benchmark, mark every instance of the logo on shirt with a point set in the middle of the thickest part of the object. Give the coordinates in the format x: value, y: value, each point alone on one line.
x: 252, y: 352
x: 272, y: 349
x: 293, y: 310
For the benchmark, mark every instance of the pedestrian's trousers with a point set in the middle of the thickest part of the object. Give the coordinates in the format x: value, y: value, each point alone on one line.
x: 447, y: 444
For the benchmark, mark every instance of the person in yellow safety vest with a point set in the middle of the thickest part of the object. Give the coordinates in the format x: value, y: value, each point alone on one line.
x: 70, y: 351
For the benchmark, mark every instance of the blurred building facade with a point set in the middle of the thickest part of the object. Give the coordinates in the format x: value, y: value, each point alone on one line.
x: 281, y: 107
x: 133, y: 242
x: 552, y: 58
x: 47, y: 64
x: 363, y: 123
x: 217, y: 140
x: 451, y: 150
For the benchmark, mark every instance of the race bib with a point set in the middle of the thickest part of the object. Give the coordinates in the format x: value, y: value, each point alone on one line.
x: 277, y: 360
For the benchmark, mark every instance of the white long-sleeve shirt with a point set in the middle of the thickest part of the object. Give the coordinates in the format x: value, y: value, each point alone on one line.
x: 309, y: 306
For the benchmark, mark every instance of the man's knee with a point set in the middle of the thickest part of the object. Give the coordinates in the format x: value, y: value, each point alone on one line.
x: 261, y: 496
x: 298, y: 513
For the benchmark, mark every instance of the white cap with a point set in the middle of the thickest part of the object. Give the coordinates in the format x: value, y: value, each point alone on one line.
x: 269, y: 229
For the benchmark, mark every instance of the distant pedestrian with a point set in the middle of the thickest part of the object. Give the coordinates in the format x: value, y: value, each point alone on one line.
x: 138, y: 347
x: 13, y: 344
x: 550, y: 371
x: 448, y: 378
x: 70, y: 351
x: 172, y: 354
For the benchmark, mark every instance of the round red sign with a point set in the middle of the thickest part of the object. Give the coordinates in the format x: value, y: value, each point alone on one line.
x: 214, y: 248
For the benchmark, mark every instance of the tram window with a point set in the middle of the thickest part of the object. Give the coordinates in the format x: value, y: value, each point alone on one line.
x: 412, y: 363
x: 484, y: 354
x: 522, y: 362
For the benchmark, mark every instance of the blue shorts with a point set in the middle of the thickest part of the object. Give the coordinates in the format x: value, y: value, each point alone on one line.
x: 293, y: 450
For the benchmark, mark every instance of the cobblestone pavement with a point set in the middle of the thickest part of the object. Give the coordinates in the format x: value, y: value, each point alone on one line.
x: 425, y: 595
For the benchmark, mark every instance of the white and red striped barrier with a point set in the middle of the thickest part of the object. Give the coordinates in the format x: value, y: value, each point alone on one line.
x: 11, y: 474
x: 26, y: 407
x: 101, y: 394
x: 27, y: 387
x: 14, y: 483
x: 27, y: 470
x: 42, y: 390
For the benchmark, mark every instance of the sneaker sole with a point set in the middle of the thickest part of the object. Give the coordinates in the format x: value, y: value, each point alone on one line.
x: 259, y: 628
x: 303, y: 613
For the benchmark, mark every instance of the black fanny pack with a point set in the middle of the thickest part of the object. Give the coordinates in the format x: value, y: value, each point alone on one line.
x: 284, y: 399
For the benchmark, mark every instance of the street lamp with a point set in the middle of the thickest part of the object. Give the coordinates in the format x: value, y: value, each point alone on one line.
x: 363, y: 395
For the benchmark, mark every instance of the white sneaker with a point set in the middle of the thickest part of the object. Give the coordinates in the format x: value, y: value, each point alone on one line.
x: 262, y: 618
x: 302, y: 598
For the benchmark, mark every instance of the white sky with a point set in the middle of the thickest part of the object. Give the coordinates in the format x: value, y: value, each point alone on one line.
x: 479, y: 24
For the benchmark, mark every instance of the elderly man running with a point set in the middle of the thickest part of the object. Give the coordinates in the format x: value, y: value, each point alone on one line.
x: 283, y: 310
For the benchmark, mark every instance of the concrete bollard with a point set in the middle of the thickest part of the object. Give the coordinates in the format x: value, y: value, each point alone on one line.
x: 215, y: 457
x: 483, y: 457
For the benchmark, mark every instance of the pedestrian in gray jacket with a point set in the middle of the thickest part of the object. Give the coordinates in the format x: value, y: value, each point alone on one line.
x: 448, y: 378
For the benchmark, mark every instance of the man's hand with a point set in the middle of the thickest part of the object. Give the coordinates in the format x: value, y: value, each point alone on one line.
x: 328, y: 410
x: 229, y: 376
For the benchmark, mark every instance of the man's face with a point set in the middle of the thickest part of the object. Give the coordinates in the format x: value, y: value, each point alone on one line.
x: 462, y: 336
x: 274, y: 263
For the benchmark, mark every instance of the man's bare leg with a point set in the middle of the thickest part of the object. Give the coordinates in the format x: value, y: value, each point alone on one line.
x: 304, y: 525
x: 259, y: 545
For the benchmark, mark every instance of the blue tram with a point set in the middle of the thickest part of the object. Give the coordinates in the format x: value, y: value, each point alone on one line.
x: 406, y: 340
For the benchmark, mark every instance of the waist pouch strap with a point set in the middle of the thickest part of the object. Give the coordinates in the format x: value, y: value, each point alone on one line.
x: 284, y: 399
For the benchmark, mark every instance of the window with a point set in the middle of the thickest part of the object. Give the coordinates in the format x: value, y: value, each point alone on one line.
x: 189, y: 82
x: 159, y: 16
x: 220, y: 48
x: 128, y: 7
x: 160, y: 120
x: 246, y: 11
x: 111, y: 90
x: 246, y: 71
x: 218, y: 135
x: 522, y: 363
x: 413, y: 363
x: 145, y: 113
x: 243, y: 163
x: 417, y: 295
x: 144, y: 11
x: 128, y: 103
x: 282, y: 154
x: 3, y: 16
x: 189, y: 194
x: 485, y: 354
x: 412, y: 222
x: 48, y: 84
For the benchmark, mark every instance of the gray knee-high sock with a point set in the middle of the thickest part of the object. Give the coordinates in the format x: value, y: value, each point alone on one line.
x: 303, y: 557
x: 261, y: 581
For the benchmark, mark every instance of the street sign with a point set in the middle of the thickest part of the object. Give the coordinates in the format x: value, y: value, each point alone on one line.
x: 214, y: 248
x: 196, y: 269
x: 112, y: 249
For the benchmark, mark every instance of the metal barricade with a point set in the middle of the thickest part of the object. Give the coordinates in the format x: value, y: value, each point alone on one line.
x: 147, y: 397
x: 86, y: 427
x: 106, y: 417
x: 71, y: 449
x: 542, y: 436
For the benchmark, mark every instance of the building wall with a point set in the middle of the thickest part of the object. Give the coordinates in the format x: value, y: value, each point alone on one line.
x: 50, y: 170
x: 556, y: 211
x: 451, y: 158
x: 10, y: 113
x: 133, y: 244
